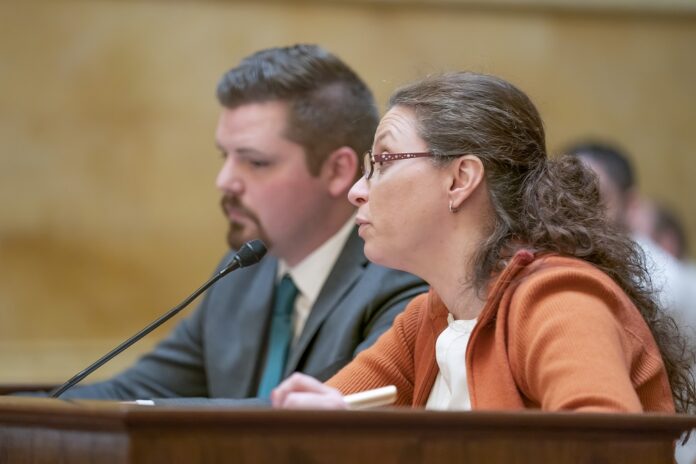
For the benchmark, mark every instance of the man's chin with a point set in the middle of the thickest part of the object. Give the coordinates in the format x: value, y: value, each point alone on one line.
x: 238, y: 236
x: 235, y: 240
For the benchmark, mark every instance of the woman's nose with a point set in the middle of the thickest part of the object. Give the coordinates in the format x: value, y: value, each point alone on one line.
x: 358, y: 192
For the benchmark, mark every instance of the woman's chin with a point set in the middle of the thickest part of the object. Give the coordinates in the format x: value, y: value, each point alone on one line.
x: 374, y: 255
x: 378, y: 256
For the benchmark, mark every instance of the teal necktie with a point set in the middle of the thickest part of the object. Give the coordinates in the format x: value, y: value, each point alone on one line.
x: 279, y: 336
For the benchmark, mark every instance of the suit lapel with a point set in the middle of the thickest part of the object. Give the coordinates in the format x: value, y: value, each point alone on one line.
x: 348, y: 268
x: 252, y: 326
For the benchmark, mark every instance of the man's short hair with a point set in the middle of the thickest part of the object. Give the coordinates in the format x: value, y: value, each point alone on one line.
x: 615, y: 162
x: 329, y: 105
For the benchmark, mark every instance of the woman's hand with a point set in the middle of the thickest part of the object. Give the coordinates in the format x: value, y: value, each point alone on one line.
x: 300, y: 391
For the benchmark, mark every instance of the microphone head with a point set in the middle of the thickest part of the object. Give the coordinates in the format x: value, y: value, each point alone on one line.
x: 250, y: 253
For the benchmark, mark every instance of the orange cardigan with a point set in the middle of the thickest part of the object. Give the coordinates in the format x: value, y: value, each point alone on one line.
x: 556, y: 334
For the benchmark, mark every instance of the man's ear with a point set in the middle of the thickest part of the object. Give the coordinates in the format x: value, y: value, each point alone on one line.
x: 467, y: 174
x: 339, y: 171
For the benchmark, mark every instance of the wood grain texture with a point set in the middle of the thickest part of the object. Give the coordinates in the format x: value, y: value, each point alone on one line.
x: 42, y: 431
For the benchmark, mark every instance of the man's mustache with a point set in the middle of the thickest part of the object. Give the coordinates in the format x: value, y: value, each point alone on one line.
x: 232, y: 202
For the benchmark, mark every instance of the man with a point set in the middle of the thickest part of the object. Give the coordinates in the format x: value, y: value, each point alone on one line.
x: 292, y: 124
x: 657, y: 221
x: 615, y: 175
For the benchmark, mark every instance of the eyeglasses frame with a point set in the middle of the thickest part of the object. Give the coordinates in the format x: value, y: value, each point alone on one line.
x: 386, y: 157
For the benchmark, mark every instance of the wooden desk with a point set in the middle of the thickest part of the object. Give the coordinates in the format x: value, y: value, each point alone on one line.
x: 41, y: 431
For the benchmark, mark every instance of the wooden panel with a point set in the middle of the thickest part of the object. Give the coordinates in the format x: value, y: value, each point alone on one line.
x: 603, y: 6
x: 107, y: 112
x: 91, y: 432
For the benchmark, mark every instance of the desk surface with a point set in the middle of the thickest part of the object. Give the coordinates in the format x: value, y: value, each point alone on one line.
x: 38, y: 430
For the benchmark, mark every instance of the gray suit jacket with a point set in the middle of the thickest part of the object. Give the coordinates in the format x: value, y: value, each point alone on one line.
x: 218, y: 351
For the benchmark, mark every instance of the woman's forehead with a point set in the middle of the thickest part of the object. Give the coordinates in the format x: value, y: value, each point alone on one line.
x: 398, y: 123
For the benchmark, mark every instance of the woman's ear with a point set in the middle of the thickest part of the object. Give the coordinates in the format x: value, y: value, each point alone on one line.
x: 467, y: 174
x: 339, y: 171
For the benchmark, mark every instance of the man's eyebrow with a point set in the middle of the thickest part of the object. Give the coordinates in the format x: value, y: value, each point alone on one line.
x: 243, y: 150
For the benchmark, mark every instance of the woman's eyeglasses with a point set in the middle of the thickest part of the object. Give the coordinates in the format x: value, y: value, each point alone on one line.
x: 369, y: 159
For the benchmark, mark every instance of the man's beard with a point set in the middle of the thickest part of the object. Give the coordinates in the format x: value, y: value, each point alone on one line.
x: 241, y: 232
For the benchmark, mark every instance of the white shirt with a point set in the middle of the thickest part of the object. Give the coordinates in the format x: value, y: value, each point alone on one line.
x: 450, y: 390
x: 674, y: 283
x: 310, y: 274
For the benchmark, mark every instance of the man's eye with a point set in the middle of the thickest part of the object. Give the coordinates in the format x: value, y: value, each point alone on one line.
x: 259, y: 163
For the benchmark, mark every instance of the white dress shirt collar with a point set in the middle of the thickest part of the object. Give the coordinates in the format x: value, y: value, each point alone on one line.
x: 310, y: 274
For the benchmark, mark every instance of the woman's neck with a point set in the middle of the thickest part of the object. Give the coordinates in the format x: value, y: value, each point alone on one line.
x: 462, y: 300
x: 452, y: 278
x: 449, y: 264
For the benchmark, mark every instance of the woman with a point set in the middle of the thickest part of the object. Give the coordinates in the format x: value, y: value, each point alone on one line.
x: 535, y: 301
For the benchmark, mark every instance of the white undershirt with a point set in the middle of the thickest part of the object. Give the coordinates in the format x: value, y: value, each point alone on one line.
x: 310, y: 274
x: 450, y: 390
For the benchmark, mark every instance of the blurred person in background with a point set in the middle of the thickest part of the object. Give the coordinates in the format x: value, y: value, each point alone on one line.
x: 668, y: 233
x: 659, y: 222
x: 672, y: 280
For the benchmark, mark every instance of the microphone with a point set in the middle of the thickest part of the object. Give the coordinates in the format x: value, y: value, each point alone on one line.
x: 249, y: 254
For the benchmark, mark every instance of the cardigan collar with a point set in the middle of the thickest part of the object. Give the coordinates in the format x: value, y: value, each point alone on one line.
x: 438, y: 311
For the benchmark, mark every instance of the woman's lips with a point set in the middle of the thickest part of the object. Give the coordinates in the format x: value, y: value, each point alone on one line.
x: 362, y: 224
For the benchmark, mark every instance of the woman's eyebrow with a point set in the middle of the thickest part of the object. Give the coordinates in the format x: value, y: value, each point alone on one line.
x: 386, y: 134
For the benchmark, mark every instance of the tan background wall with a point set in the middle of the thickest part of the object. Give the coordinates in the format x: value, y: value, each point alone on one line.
x: 107, y: 110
